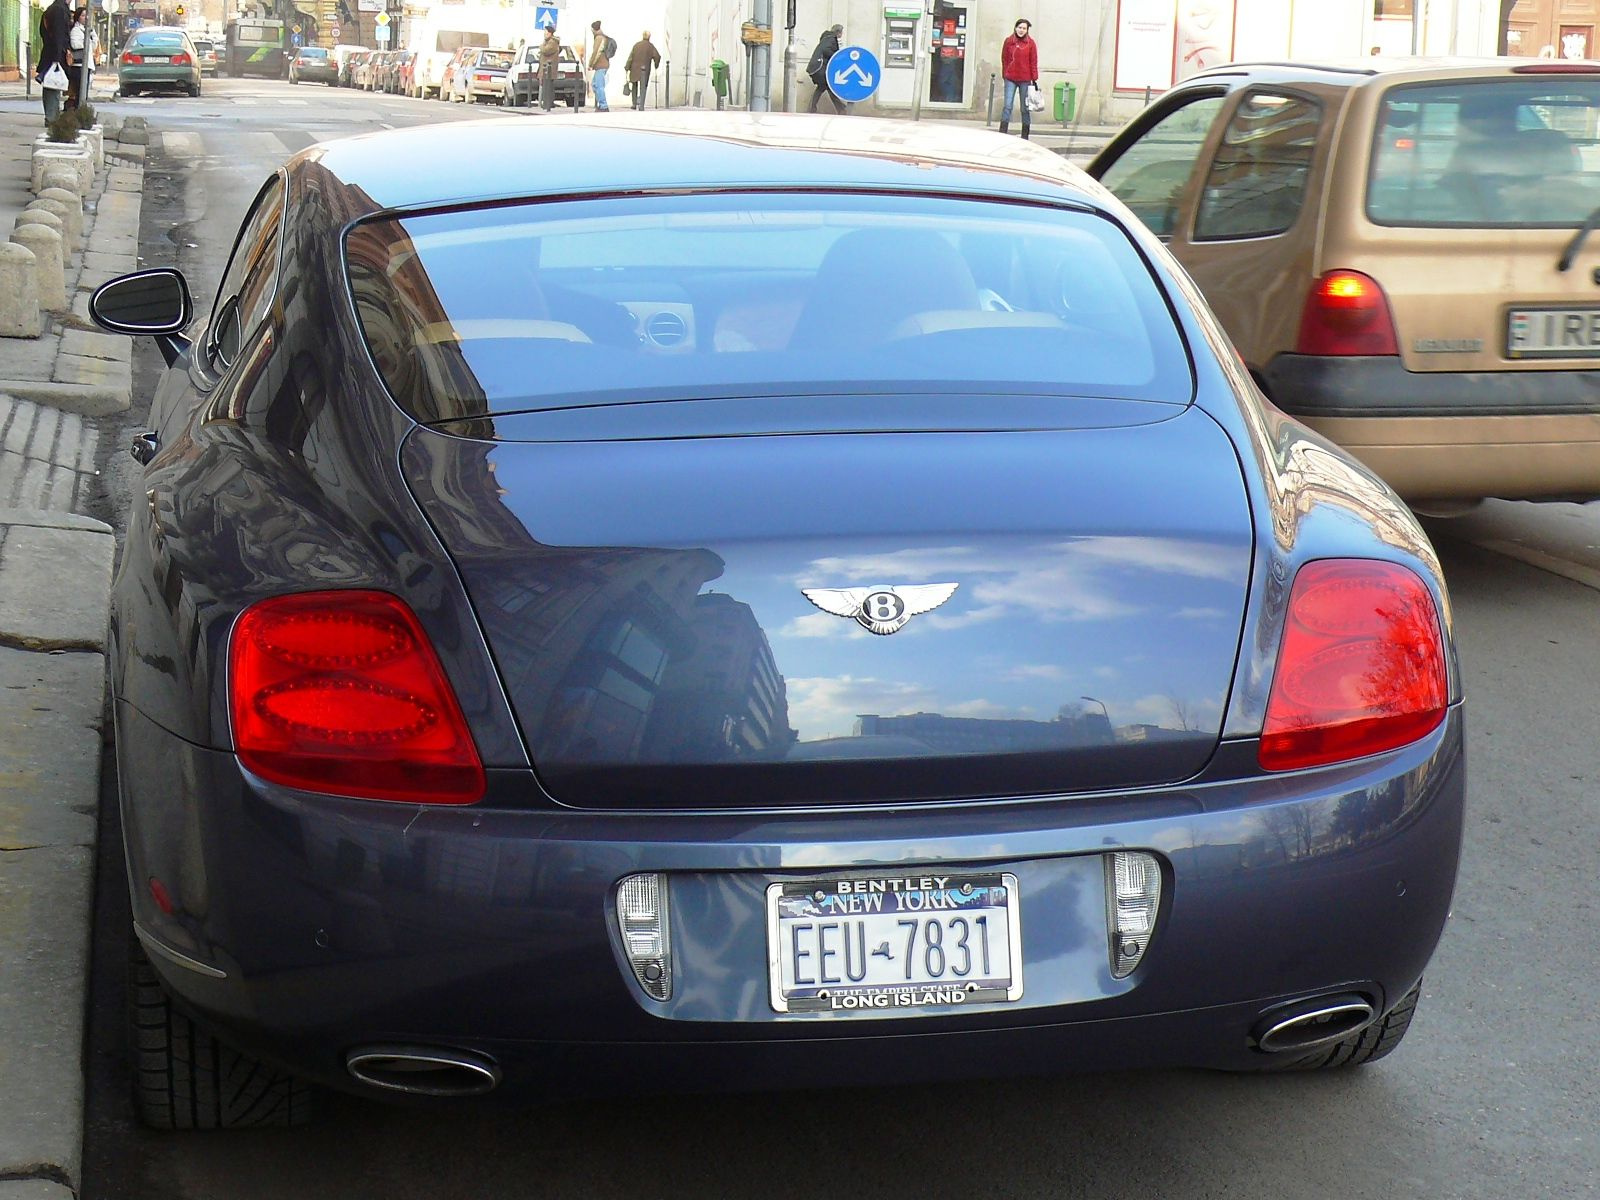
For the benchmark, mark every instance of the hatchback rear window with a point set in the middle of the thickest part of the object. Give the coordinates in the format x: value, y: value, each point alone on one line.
x: 313, y: 52
x: 490, y: 59
x: 565, y: 303
x: 1501, y: 154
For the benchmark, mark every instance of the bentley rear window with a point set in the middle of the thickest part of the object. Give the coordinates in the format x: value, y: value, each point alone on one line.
x: 564, y: 303
x: 1504, y: 154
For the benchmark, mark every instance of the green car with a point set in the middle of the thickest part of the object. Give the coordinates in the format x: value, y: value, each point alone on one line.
x: 158, y: 58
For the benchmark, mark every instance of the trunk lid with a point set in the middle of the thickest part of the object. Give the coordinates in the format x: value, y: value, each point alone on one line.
x: 645, y: 601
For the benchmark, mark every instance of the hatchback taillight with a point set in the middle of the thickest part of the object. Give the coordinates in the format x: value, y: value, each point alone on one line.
x: 1361, y: 668
x: 1346, y: 313
x: 341, y: 692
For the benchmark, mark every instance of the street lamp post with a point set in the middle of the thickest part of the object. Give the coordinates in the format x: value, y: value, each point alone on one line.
x: 1095, y: 700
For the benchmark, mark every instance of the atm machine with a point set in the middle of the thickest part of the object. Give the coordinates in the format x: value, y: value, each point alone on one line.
x: 901, y: 24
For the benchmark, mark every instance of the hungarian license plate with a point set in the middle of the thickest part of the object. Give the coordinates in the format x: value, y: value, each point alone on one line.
x: 877, y: 943
x: 1553, y: 333
x: 151, y: 59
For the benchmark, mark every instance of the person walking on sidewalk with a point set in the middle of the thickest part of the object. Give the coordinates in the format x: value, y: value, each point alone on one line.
x: 55, y: 56
x: 641, y: 59
x: 1019, y: 65
x: 604, y: 49
x: 83, y: 42
x: 817, y: 68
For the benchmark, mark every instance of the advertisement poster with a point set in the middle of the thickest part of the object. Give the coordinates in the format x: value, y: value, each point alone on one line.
x: 1205, y: 35
x: 1146, y: 30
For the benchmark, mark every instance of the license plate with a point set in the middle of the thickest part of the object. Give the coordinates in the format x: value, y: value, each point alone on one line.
x: 1553, y: 333
x: 878, y: 943
x: 148, y: 59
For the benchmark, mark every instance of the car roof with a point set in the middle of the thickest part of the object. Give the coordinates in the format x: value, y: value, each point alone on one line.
x: 421, y: 166
x: 1359, y: 72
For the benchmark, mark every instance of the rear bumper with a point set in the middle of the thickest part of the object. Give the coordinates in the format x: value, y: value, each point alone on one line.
x: 155, y: 76
x: 1516, y: 434
x: 338, y: 924
x: 316, y: 75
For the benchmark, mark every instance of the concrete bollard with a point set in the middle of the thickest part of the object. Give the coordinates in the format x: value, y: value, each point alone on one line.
x: 60, y: 177
x: 19, y: 293
x: 69, y: 243
x: 70, y: 158
x: 74, y: 205
x: 41, y: 216
x: 48, y: 262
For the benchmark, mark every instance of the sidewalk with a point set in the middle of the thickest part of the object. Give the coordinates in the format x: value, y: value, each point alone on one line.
x: 55, y: 578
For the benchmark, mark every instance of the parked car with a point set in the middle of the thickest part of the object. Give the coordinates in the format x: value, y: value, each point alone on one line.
x: 428, y: 73
x: 479, y: 74
x: 521, y: 86
x: 371, y: 70
x: 706, y: 708
x: 206, y: 50
x: 1395, y: 249
x: 348, y: 60
x: 313, y: 64
x: 158, y: 58
x: 401, y: 77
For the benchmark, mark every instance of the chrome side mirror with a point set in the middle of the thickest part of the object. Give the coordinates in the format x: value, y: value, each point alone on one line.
x: 154, y: 302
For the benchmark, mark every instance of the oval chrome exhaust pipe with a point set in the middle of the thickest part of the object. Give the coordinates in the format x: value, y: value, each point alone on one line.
x: 423, y: 1070
x: 1308, y: 1024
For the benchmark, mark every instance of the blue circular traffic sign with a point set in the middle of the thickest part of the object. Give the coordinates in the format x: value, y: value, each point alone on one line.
x: 853, y: 73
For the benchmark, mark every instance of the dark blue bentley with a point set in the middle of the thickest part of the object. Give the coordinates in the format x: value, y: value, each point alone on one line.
x: 750, y: 601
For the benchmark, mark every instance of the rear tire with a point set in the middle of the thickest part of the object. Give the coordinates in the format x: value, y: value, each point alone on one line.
x: 184, y: 1078
x: 1366, y: 1046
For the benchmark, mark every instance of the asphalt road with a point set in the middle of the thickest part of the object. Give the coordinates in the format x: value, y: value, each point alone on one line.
x: 1492, y: 1095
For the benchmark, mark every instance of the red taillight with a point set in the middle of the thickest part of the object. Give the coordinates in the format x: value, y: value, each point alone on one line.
x: 1346, y: 313
x: 1361, y: 669
x: 340, y: 692
x: 131, y: 57
x: 180, y: 59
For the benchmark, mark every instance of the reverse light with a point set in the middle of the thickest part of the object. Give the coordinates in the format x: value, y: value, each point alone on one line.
x: 1133, y: 899
x: 340, y: 692
x: 1361, y: 669
x: 646, y: 938
x: 1346, y: 313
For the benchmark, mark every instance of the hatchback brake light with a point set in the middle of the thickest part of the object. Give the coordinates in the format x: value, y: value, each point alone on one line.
x: 1346, y: 313
x: 1361, y: 669
x: 340, y: 692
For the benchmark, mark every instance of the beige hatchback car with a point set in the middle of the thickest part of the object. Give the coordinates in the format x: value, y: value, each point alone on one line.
x: 1401, y: 252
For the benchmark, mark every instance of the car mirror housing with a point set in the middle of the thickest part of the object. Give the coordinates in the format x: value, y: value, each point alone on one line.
x: 155, y: 302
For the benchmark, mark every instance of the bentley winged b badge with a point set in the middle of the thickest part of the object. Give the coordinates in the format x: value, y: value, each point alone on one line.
x: 881, y: 610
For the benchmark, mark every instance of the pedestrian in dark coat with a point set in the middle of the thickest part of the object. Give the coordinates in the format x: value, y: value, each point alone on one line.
x: 641, y: 59
x: 55, y: 34
x: 1019, y: 66
x: 817, y: 68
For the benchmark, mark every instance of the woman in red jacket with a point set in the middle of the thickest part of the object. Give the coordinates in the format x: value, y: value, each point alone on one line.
x: 1019, y: 66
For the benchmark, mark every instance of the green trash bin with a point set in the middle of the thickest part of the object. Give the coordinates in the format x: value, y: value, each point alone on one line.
x: 1066, y: 101
x: 719, y: 79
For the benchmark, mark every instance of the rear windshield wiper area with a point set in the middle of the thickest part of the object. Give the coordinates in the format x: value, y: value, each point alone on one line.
x: 1571, y: 252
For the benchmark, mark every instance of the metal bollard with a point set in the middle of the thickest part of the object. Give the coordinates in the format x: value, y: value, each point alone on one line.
x: 19, y: 293
x: 988, y: 108
x: 48, y: 262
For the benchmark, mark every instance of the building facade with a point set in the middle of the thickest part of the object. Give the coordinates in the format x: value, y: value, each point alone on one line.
x: 942, y: 57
